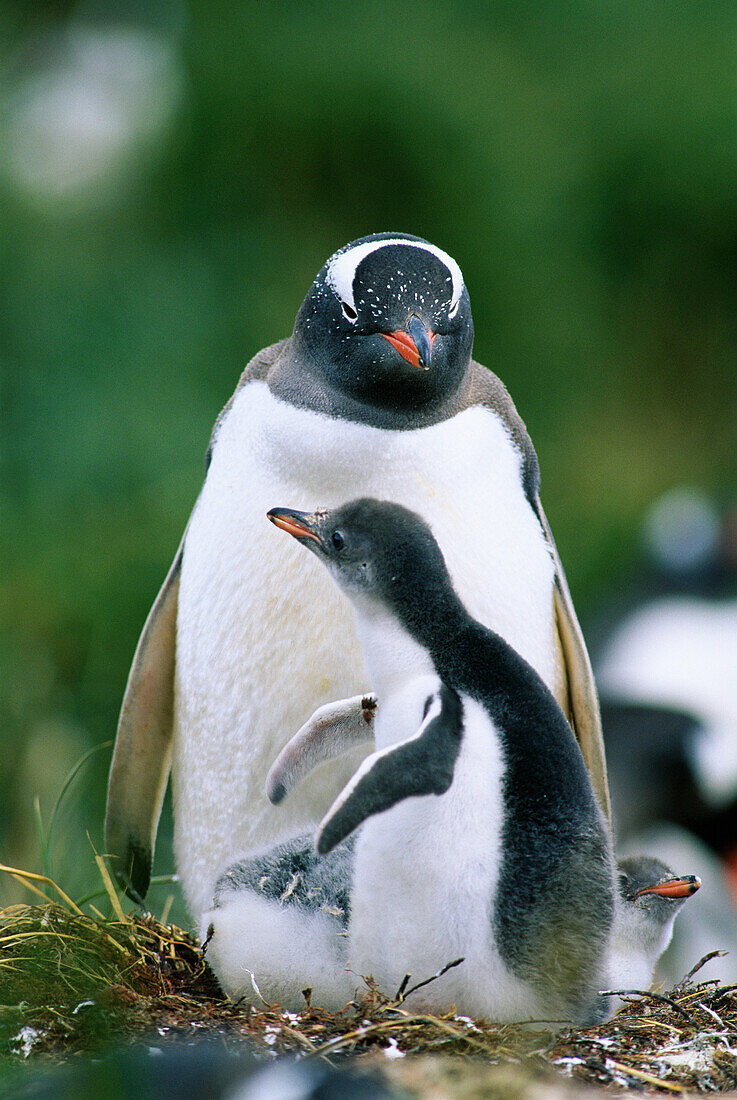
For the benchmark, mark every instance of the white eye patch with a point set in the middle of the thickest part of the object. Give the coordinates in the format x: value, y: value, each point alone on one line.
x: 342, y: 268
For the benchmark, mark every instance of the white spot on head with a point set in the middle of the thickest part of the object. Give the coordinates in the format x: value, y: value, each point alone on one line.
x: 342, y: 268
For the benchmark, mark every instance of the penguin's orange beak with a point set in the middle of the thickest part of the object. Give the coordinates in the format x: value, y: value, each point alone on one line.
x: 413, y: 343
x: 675, y: 888
x: 298, y: 524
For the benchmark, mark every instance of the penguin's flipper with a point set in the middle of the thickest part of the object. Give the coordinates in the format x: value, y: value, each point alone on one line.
x: 583, y: 698
x: 142, y: 754
x: 421, y: 765
x: 332, y: 730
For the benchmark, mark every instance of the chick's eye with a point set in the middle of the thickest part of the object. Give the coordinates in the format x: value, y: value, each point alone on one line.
x: 348, y: 311
x: 337, y: 540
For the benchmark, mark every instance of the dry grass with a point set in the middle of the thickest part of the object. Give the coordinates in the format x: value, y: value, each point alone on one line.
x: 71, y: 983
x: 58, y: 968
x: 687, y: 1041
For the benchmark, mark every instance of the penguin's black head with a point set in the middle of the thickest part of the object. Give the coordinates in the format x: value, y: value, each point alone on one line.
x: 373, y: 549
x: 387, y: 323
x: 652, y: 887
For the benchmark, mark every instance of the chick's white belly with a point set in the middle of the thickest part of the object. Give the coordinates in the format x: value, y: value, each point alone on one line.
x: 425, y: 879
x: 263, y: 634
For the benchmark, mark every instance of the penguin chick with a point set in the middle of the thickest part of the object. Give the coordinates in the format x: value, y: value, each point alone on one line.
x: 287, y: 910
x: 279, y: 920
x: 650, y: 897
x: 706, y: 925
x: 509, y: 865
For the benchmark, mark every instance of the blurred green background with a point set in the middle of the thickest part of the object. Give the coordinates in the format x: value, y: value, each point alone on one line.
x: 172, y: 176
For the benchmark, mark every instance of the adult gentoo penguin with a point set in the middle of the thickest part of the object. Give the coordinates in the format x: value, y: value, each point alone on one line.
x: 480, y: 837
x: 374, y: 393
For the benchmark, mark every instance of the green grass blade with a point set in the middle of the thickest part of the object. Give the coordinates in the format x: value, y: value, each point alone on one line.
x: 65, y: 787
x: 156, y: 880
x: 43, y: 840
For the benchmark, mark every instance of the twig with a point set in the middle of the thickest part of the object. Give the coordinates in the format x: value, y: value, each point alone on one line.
x: 712, y: 1013
x: 702, y: 962
x: 717, y: 995
x: 443, y: 1025
x: 645, y: 1023
x: 630, y: 993
x: 167, y: 908
x: 108, y: 884
x: 402, y: 996
x: 373, y: 1030
x: 303, y: 1041
x: 640, y: 1075
x: 398, y: 996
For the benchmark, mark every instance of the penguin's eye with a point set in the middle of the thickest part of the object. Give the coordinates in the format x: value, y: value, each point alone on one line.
x: 453, y: 310
x: 348, y: 311
x: 337, y: 540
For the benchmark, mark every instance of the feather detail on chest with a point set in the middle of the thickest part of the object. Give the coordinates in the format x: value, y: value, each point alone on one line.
x: 463, y: 476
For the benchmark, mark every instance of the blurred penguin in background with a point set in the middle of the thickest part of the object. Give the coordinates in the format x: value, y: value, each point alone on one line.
x: 666, y: 668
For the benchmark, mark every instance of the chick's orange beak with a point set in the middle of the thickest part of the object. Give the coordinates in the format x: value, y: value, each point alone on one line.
x: 676, y: 888
x: 293, y: 522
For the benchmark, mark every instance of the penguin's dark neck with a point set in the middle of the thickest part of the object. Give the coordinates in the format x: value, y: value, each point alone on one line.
x: 542, y: 755
x: 474, y: 660
x: 466, y: 655
x: 300, y: 380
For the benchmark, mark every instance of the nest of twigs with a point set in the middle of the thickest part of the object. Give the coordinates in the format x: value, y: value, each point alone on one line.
x: 686, y: 1040
x: 58, y: 968
x: 70, y: 983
